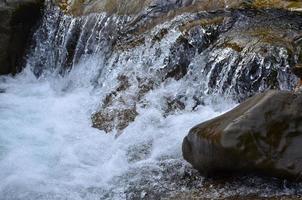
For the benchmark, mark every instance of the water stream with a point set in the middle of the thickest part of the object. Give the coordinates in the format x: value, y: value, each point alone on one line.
x: 48, y: 148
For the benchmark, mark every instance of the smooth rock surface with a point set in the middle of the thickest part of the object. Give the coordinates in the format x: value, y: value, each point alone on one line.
x: 262, y: 135
x: 17, y: 19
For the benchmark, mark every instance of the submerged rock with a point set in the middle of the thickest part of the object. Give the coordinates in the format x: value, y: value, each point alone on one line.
x: 111, y: 118
x: 262, y: 135
x: 115, y: 119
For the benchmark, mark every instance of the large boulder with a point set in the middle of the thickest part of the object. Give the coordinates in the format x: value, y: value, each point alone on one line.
x: 17, y: 18
x: 262, y: 135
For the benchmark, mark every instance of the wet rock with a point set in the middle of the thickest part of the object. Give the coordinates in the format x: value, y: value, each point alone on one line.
x: 297, y: 70
x: 173, y: 105
x: 139, y: 152
x: 246, y: 50
x: 17, y: 20
x: 292, y: 5
x: 148, y: 13
x: 145, y: 14
x: 160, y: 35
x: 114, y: 119
x: 231, y: 50
x: 261, y: 135
x: 251, y: 51
x: 234, y: 54
x: 130, y: 7
x: 181, y: 54
x: 111, y: 117
x: 144, y: 86
x: 242, y: 188
x: 157, y: 181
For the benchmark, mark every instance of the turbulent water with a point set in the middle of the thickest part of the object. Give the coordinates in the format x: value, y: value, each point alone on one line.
x: 48, y: 148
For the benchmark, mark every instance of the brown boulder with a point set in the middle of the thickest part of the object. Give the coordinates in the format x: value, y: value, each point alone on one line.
x: 262, y: 135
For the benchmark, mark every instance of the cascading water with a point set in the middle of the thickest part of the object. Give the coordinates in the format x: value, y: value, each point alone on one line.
x: 48, y: 149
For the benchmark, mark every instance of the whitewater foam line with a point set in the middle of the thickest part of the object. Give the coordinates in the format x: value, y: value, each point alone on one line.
x: 49, y: 150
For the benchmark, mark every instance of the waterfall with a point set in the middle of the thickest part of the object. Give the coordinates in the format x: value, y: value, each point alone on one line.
x: 86, y: 66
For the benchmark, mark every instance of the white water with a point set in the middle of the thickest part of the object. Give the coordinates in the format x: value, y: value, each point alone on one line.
x: 48, y: 149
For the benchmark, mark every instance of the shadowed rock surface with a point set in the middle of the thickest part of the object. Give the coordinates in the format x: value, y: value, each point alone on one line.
x: 17, y: 19
x: 261, y: 135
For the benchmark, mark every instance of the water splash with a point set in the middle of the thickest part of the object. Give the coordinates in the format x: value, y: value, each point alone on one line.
x: 48, y: 149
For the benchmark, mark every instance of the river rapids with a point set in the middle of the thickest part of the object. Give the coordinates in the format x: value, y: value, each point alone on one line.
x: 48, y: 147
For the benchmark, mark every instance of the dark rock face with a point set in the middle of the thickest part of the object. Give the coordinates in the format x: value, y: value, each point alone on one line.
x: 181, y: 54
x: 249, y: 51
x: 17, y: 18
x: 244, y: 51
x: 262, y: 135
